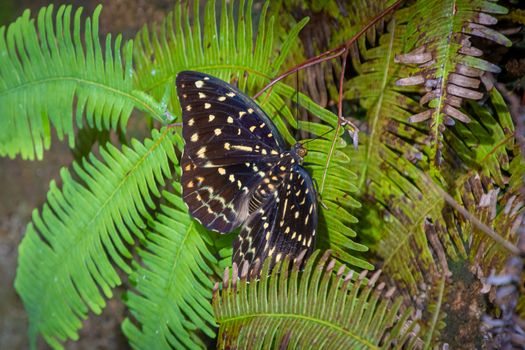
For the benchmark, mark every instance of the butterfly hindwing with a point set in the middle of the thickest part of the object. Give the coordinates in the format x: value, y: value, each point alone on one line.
x: 230, y: 145
x: 284, y: 225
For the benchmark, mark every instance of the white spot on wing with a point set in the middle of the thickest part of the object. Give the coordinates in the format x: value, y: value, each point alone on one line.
x: 199, y: 84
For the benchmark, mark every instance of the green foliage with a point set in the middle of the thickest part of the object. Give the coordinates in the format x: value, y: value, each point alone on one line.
x: 120, y: 210
x: 172, y: 284
x: 309, y: 309
x: 66, y: 260
x: 449, y: 66
x: 423, y: 242
x: 45, y: 67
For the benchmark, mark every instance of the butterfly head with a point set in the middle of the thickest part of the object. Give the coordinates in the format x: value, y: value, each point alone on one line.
x: 299, y: 152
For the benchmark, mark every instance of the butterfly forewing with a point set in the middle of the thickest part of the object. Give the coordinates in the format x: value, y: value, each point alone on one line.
x: 230, y: 145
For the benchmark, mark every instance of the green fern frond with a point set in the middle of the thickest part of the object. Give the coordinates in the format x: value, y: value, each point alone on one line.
x: 66, y: 258
x: 173, y: 289
x: 223, y: 44
x: 312, y: 309
x: 449, y: 66
x: 485, y: 144
x: 45, y: 69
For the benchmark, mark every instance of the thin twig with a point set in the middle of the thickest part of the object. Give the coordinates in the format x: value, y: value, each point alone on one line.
x: 472, y: 218
x: 332, y: 53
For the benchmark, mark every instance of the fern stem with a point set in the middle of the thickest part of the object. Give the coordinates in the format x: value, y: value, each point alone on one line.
x: 341, y: 330
x: 472, y: 218
x: 332, y: 53
x: 339, y: 121
x: 136, y: 101
x: 435, y: 316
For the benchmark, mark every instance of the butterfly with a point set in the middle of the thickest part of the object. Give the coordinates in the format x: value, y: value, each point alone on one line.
x: 237, y: 171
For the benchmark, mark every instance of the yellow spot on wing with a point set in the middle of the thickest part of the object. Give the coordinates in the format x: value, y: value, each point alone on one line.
x: 242, y: 148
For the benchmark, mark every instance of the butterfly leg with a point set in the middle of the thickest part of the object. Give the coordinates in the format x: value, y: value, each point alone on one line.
x: 175, y: 125
x: 319, y: 198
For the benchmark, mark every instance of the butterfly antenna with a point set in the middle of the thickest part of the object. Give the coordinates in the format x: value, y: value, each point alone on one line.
x: 297, y: 105
x: 318, y: 137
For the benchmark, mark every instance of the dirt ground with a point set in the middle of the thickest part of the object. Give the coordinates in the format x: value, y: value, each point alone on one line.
x: 24, y: 184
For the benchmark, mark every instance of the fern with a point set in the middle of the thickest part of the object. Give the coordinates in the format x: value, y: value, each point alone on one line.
x: 65, y: 259
x: 220, y: 45
x: 449, y: 66
x: 312, y: 309
x: 49, y: 69
x: 424, y: 243
x: 86, y: 232
x: 173, y: 289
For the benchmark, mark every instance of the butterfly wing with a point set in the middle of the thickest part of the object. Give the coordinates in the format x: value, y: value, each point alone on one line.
x: 284, y: 224
x: 230, y: 145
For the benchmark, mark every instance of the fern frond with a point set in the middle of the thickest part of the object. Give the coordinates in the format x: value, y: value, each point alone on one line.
x: 449, y: 66
x: 424, y: 243
x: 173, y: 289
x: 45, y: 68
x: 66, y: 258
x: 223, y: 45
x: 312, y: 309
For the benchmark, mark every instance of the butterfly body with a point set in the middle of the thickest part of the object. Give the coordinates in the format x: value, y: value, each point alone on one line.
x: 238, y: 172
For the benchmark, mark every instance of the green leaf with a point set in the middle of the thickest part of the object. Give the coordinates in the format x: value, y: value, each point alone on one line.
x: 173, y: 289
x: 66, y: 258
x: 50, y: 72
x: 312, y: 309
x: 439, y: 37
